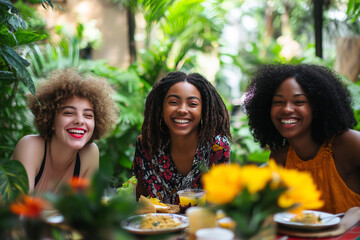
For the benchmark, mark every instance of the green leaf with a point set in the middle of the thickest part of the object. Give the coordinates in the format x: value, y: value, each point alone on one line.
x: 20, y: 37
x: 7, y: 77
x: 10, y: 15
x: 13, y: 180
x: 12, y: 58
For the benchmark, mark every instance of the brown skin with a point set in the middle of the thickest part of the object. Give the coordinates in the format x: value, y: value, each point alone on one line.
x: 346, y: 146
x: 183, y: 102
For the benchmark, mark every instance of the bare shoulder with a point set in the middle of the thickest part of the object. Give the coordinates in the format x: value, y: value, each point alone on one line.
x: 89, y: 153
x: 89, y: 157
x: 279, y: 155
x: 346, y: 146
x: 30, y: 152
x: 348, y: 136
x: 29, y: 145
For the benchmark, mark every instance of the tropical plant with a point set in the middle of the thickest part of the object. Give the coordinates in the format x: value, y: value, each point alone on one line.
x: 353, y: 10
x: 243, y: 148
x: 13, y: 66
x: 14, y: 72
x: 13, y: 181
x: 183, y: 28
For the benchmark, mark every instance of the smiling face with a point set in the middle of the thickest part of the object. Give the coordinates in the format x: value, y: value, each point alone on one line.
x: 291, y: 112
x: 182, y: 109
x: 75, y: 123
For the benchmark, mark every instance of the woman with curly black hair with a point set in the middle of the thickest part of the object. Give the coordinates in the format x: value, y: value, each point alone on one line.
x: 186, y: 125
x: 303, y: 114
x: 70, y: 111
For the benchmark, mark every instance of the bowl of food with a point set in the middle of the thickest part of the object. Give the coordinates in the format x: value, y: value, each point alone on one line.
x: 190, y: 198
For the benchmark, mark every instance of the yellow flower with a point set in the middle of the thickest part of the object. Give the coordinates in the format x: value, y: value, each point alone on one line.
x: 301, y: 190
x: 269, y: 190
x: 255, y: 178
x: 222, y: 183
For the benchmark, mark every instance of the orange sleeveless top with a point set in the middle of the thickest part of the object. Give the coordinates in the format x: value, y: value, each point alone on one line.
x: 336, y: 195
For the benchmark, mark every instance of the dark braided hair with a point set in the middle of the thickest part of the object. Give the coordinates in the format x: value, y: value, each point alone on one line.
x: 330, y: 101
x: 214, y: 113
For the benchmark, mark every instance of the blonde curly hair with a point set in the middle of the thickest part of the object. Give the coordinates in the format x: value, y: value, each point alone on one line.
x: 65, y: 84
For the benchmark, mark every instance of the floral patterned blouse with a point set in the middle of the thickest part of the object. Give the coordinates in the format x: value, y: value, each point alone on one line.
x: 160, y: 176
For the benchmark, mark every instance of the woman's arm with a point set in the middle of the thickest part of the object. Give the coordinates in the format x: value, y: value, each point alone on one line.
x: 30, y: 152
x: 346, y: 152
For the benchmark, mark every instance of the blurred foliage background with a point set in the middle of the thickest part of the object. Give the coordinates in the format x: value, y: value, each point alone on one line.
x: 240, y: 34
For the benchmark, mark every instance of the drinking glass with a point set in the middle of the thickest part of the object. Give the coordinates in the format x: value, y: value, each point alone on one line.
x: 190, y: 198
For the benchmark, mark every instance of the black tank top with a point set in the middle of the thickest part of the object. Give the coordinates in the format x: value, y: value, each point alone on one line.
x: 76, y: 169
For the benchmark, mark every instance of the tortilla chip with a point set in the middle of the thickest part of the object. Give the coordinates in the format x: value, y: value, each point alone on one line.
x: 145, y: 206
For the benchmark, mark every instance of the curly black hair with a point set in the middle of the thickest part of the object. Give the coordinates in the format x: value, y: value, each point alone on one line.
x: 215, y: 116
x: 330, y: 101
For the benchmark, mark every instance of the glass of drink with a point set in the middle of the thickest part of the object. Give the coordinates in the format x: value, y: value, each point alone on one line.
x: 190, y: 198
x: 199, y: 217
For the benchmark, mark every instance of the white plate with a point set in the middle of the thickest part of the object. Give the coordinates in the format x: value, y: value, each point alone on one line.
x: 52, y: 216
x: 284, y: 219
x: 133, y: 223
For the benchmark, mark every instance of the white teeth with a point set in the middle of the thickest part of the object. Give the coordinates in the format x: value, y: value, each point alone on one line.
x: 292, y: 121
x: 181, y: 121
x: 76, y: 131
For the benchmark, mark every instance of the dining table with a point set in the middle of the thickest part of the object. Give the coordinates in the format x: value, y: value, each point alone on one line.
x: 347, y: 229
x: 352, y: 234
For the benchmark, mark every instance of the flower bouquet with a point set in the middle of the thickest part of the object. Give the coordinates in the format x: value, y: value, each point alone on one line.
x: 250, y: 195
x: 82, y: 206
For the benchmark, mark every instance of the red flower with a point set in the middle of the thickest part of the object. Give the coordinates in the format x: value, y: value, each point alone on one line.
x: 29, y: 207
x: 79, y: 184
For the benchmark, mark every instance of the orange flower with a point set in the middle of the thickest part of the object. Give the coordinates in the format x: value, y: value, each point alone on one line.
x: 29, y: 207
x: 79, y: 184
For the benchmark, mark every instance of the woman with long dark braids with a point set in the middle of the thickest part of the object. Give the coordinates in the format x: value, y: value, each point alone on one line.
x: 186, y: 126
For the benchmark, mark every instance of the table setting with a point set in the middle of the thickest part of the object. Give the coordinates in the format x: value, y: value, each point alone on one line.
x: 231, y: 204
x: 232, y: 193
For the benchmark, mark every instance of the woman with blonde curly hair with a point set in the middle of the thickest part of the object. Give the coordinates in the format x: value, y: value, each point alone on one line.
x: 70, y: 112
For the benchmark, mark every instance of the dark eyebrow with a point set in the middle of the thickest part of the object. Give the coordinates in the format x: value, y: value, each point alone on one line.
x: 173, y: 95
x: 86, y: 109
x: 178, y: 97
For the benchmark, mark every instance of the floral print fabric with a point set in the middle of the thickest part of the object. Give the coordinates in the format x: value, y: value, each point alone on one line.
x: 160, y: 176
